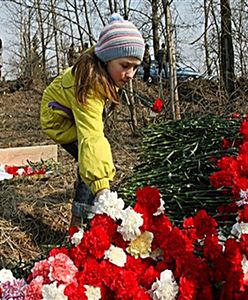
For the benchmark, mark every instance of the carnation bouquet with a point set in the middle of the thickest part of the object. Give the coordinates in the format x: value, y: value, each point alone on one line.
x: 136, y: 252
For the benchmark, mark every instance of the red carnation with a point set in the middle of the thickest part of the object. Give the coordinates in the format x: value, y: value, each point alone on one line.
x: 11, y: 170
x: 205, y: 225
x: 189, y: 229
x: 75, y: 291
x: 226, y: 144
x: 244, y: 244
x: 58, y: 250
x: 157, y: 105
x: 96, y: 241
x: 92, y: 273
x: 106, y: 222
x: 148, y: 199
x: 73, y: 230
x: 244, y: 129
x: 212, y: 248
x: 243, y: 214
x: 176, y: 244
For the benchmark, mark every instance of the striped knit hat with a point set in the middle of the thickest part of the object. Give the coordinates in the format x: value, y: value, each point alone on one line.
x: 119, y: 38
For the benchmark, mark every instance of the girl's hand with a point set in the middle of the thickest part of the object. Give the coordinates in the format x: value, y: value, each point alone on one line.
x: 101, y: 192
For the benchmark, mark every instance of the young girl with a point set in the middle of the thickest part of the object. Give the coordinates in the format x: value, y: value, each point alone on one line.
x: 72, y: 107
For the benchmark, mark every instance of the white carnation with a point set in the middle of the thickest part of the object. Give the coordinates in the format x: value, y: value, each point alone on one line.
x: 6, y: 275
x: 116, y: 256
x: 92, y: 293
x: 131, y: 221
x: 77, y: 237
x: 244, y: 228
x: 109, y: 204
x: 52, y: 292
x: 239, y: 228
x: 160, y: 210
x: 244, y: 198
x: 166, y: 288
x: 20, y: 171
x: 243, y: 194
x: 221, y: 239
x: 244, y: 264
x: 236, y: 230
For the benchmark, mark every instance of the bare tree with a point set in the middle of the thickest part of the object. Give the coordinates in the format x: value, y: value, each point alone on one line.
x: 74, y: 6
x: 206, y: 42
x: 155, y: 27
x: 42, y: 36
x: 172, y: 63
x: 227, y: 54
x: 70, y: 23
x: 240, y: 36
x: 112, y: 6
x: 87, y: 21
x: 55, y: 33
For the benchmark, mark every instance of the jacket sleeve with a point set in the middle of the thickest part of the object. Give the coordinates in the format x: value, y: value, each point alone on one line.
x: 95, y: 158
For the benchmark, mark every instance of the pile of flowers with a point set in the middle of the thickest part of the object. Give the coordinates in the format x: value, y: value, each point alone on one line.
x: 136, y: 253
x: 232, y: 176
x: 39, y: 169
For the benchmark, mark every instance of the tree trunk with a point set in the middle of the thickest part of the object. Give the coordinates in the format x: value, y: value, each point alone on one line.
x: 206, y: 45
x: 155, y: 28
x: 88, y: 22
x: 132, y: 108
x: 242, y: 38
x: 227, y: 54
x: 55, y: 31
x: 70, y: 23
x: 99, y: 12
x: 125, y: 5
x: 42, y: 39
x: 175, y: 107
x: 78, y: 24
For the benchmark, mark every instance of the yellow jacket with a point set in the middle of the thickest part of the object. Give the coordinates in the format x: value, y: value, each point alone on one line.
x: 86, y: 126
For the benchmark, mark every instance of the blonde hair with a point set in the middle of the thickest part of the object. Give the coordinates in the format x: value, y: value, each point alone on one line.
x: 91, y: 74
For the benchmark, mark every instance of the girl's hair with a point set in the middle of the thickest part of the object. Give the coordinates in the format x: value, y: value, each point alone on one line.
x: 91, y: 74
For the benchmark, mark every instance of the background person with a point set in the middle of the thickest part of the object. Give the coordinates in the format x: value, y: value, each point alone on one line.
x: 163, y: 59
x: 71, y: 55
x: 146, y: 63
x: 73, y: 104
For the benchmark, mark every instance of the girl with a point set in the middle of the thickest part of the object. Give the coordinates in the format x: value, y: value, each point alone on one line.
x: 72, y: 107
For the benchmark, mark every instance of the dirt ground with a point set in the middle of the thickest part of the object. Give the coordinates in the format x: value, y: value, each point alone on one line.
x: 35, y: 214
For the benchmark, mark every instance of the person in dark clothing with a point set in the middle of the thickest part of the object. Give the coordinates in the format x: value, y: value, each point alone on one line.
x: 146, y: 63
x: 71, y: 55
x: 163, y: 59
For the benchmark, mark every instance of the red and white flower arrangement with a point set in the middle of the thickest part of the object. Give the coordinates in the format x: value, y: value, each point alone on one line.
x: 9, y: 172
x: 137, y: 253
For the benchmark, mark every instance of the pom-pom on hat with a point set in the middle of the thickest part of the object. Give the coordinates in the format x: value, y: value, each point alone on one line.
x: 120, y: 38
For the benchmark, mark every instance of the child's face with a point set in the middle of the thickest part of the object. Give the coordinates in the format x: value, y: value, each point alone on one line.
x: 122, y: 69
